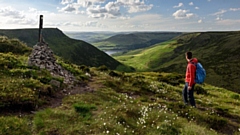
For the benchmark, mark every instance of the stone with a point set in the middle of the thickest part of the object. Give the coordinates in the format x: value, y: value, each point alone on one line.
x: 55, y: 83
x: 42, y: 56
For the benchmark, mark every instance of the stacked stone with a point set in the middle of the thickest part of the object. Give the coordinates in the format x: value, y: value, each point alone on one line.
x: 42, y: 56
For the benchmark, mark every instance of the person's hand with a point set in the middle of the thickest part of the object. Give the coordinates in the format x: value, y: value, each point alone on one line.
x: 189, y: 87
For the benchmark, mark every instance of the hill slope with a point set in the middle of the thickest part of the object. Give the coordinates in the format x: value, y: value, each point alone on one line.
x: 134, y: 40
x: 106, y: 102
x: 217, y: 51
x: 75, y: 51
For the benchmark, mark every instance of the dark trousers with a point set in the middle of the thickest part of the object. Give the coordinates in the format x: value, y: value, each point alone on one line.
x: 188, y: 95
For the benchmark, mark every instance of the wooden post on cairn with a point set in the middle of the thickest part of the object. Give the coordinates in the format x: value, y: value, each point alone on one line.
x: 40, y: 39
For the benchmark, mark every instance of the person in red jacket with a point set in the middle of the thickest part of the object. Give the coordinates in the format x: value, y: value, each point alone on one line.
x: 188, y: 89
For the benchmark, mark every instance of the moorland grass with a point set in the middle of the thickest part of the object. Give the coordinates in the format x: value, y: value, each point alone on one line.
x: 140, y: 103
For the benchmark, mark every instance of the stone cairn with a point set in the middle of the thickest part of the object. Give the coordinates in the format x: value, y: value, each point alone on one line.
x: 42, y: 56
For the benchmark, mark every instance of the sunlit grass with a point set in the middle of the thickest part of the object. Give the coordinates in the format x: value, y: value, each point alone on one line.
x: 141, y: 59
x: 140, y: 103
x: 116, y: 111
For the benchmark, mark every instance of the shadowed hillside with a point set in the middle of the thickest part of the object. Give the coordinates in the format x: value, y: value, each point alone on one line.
x: 75, y: 51
x: 217, y: 51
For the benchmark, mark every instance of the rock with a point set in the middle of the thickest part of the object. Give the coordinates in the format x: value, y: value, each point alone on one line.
x: 42, y: 56
x: 55, y: 83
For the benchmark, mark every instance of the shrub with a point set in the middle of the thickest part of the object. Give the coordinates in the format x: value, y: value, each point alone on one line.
x: 124, y: 68
x: 14, y: 126
x: 235, y: 96
x: 167, y: 129
x: 13, y: 45
x: 114, y: 74
x: 173, y: 79
x: 8, y: 61
x: 215, y: 122
x: 74, y: 69
x: 45, y: 79
x: 200, y: 90
x: 102, y: 68
x: 222, y: 111
x: 84, y: 68
x: 112, y: 84
x: 84, y: 109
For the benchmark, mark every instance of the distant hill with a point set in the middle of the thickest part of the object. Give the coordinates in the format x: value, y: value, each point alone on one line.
x: 75, y: 51
x: 217, y: 51
x: 135, y: 40
x: 90, y: 37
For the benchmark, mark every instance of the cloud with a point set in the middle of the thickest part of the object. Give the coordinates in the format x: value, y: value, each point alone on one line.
x: 91, y: 24
x: 197, y: 8
x: 134, y: 6
x: 11, y: 12
x: 64, y: 2
x: 87, y: 24
x: 228, y: 22
x: 69, y: 8
x: 30, y: 9
x: 104, y: 9
x: 139, y: 8
x: 219, y: 13
x: 141, y: 22
x: 25, y: 21
x: 219, y: 18
x: 182, y: 14
x: 97, y: 12
x: 191, y: 3
x: 88, y: 3
x: 111, y: 10
x: 200, y: 21
x: 234, y: 9
x: 179, y: 5
x: 29, y: 17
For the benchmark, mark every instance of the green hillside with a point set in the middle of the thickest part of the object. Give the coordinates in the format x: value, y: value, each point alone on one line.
x: 146, y: 59
x: 134, y: 40
x: 106, y: 101
x: 22, y: 86
x: 75, y: 51
x: 217, y: 51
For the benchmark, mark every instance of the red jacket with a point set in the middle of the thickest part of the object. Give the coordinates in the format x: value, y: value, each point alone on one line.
x: 191, y: 72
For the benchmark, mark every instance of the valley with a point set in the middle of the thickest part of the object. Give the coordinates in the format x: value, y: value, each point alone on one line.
x: 213, y: 49
x: 145, y: 99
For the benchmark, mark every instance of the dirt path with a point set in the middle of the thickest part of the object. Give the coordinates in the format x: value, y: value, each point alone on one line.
x: 56, y: 100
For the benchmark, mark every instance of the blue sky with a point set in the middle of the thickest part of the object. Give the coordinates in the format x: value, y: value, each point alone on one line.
x: 122, y: 15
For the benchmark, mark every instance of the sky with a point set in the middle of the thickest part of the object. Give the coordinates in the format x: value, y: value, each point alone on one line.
x: 122, y: 15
